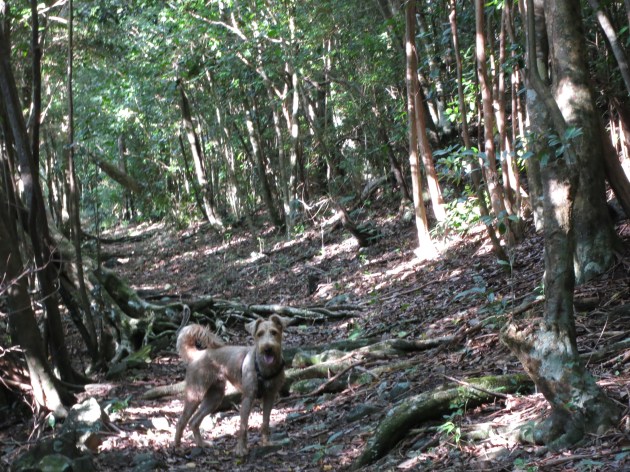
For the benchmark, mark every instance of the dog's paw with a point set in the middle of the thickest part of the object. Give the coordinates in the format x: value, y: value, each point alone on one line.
x: 241, y: 450
x: 202, y: 443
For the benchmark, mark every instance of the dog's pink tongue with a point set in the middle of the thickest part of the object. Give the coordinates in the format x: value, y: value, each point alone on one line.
x: 269, y: 358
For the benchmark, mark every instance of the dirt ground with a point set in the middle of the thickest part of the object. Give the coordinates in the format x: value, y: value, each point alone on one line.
x: 397, y: 296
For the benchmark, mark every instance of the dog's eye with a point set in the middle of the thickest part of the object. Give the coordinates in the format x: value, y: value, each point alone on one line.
x: 273, y: 332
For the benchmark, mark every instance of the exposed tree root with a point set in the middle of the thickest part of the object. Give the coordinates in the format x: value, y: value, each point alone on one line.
x: 432, y: 405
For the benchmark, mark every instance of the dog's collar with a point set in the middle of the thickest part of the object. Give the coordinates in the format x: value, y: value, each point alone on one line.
x: 264, y: 378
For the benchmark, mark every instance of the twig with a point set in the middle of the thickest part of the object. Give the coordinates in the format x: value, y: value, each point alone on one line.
x: 481, y: 389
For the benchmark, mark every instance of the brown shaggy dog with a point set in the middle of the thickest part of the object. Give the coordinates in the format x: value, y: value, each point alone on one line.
x: 257, y: 371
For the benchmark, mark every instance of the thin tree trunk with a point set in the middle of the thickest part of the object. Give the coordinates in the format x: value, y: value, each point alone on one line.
x: 73, y: 196
x: 204, y: 181
x: 476, y: 170
x: 435, y: 192
x: 613, y: 41
x: 259, y: 160
x: 128, y: 203
x: 425, y: 245
x: 490, y: 164
x: 511, y: 181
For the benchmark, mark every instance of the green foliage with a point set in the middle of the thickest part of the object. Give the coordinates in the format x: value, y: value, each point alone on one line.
x: 461, y: 214
x: 117, y: 405
x: 523, y: 465
x: 451, y: 427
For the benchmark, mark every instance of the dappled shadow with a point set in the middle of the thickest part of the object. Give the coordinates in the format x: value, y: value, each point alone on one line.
x: 465, y: 291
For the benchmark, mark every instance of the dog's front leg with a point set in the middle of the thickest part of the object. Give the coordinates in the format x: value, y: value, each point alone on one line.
x: 246, y: 408
x: 267, y: 405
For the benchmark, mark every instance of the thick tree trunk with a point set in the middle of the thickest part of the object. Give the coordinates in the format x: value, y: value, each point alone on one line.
x: 37, y: 221
x: 22, y: 323
x: 595, y: 236
x: 549, y: 352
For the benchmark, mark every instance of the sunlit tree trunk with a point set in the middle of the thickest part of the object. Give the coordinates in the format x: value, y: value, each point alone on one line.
x: 549, y: 351
x: 433, y: 184
x: 425, y: 245
x: 490, y: 163
x: 595, y: 236
x: 511, y: 180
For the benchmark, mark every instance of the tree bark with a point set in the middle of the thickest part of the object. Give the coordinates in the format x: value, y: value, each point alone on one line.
x: 44, y: 253
x: 595, y: 236
x: 613, y: 41
x: 549, y: 352
x: 534, y: 102
x: 425, y: 245
x: 259, y: 161
x: 476, y: 170
x: 490, y: 163
x: 73, y: 187
x: 205, y: 183
x: 22, y: 323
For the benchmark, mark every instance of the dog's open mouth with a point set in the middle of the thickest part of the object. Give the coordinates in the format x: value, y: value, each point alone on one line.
x: 269, y: 357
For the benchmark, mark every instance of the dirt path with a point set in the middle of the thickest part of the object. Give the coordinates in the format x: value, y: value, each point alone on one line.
x: 399, y: 298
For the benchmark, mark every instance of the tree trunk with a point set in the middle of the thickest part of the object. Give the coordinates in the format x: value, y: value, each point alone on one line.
x: 425, y: 245
x: 73, y: 194
x: 595, y: 236
x: 37, y: 221
x: 22, y: 323
x: 613, y: 41
x: 128, y: 203
x: 259, y: 161
x: 549, y: 352
x: 433, y: 184
x: 538, y: 112
x: 490, y: 163
x: 205, y: 183
x: 476, y: 170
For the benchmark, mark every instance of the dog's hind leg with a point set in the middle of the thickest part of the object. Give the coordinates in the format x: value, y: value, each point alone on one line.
x: 241, y: 443
x: 211, y: 401
x: 190, y: 405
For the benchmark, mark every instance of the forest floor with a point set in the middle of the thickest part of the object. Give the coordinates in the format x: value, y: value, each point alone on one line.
x: 399, y: 297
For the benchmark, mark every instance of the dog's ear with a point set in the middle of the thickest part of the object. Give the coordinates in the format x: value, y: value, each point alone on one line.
x: 281, y: 321
x: 252, y: 326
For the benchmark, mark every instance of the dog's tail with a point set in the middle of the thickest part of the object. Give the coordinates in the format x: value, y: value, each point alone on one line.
x: 193, y: 340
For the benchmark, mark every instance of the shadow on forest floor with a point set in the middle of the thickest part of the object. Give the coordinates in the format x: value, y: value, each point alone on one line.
x: 399, y: 298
